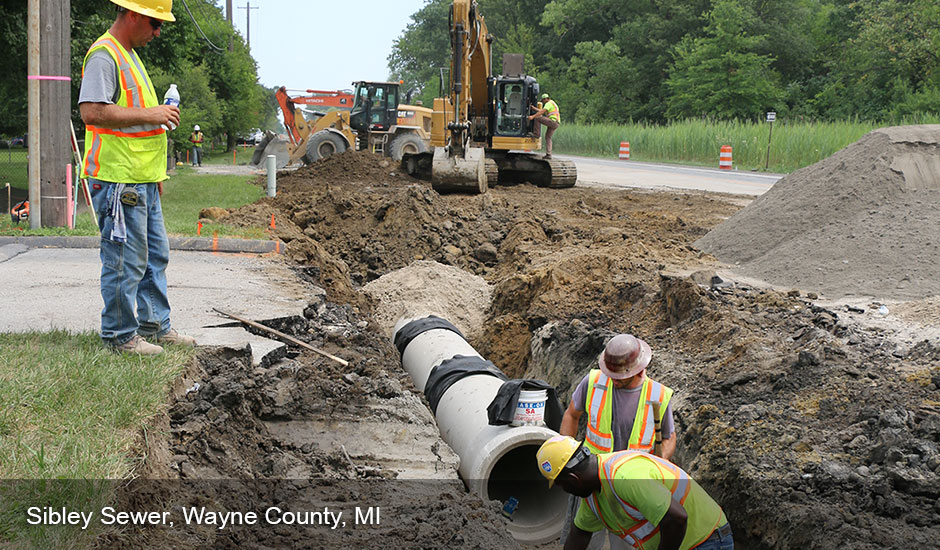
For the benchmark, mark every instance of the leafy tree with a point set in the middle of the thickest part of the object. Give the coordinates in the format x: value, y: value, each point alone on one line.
x: 423, y: 49
x: 720, y: 74
x: 891, y: 57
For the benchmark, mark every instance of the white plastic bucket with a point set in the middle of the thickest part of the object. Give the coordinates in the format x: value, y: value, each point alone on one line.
x: 530, y: 409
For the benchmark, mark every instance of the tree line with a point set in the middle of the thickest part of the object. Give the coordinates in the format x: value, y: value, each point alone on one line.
x: 211, y: 65
x: 656, y: 61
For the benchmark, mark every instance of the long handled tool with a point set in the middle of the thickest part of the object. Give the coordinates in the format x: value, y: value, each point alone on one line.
x: 80, y: 170
x: 290, y: 339
x: 658, y: 431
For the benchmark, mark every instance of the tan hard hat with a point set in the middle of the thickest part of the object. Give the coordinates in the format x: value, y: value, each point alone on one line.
x: 158, y: 9
x: 625, y: 356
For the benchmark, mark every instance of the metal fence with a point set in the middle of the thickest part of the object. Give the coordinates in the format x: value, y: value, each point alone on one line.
x: 13, y: 171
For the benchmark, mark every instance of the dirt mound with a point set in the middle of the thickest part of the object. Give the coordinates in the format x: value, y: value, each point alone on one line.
x: 863, y: 222
x: 429, y: 288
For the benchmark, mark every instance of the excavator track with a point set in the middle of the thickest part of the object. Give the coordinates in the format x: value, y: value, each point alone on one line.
x: 535, y: 169
x: 492, y: 172
x: 564, y: 173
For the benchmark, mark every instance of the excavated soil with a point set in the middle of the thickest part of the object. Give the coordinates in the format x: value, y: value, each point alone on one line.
x: 812, y: 428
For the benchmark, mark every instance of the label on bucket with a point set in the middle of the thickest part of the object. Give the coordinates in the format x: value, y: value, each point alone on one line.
x: 530, y: 409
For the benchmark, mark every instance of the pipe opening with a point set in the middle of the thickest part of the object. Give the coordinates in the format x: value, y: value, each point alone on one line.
x: 515, y: 475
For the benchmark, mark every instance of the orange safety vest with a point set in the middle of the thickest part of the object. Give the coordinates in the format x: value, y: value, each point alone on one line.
x: 599, y: 405
x: 136, y: 154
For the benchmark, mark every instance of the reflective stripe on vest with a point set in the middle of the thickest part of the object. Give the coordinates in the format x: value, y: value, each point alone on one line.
x: 641, y: 529
x: 134, y: 154
x: 551, y: 110
x: 599, y: 437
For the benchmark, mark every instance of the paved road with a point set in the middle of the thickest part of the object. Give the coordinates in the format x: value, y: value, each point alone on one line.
x: 594, y: 172
x: 46, y: 288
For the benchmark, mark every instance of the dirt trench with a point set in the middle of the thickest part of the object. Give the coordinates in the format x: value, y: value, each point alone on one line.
x: 811, y: 427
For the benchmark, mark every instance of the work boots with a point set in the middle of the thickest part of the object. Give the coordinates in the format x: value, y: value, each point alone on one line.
x: 139, y: 346
x: 173, y: 337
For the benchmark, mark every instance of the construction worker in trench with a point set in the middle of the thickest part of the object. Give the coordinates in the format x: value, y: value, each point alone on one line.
x: 549, y: 116
x: 623, y: 406
x: 647, y: 501
x: 125, y: 163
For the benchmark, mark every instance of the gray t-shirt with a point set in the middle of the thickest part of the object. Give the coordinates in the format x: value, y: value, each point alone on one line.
x: 100, y: 83
x: 624, y: 403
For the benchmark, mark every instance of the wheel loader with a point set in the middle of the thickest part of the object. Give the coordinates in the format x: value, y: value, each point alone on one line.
x: 375, y: 121
x: 480, y: 132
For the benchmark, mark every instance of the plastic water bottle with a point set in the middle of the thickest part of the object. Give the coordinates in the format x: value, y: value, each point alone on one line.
x: 172, y: 97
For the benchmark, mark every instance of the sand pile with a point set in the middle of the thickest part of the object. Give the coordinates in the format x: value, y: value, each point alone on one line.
x: 863, y: 222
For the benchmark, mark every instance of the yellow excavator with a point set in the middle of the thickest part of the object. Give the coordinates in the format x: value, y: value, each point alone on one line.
x: 368, y: 118
x: 480, y: 132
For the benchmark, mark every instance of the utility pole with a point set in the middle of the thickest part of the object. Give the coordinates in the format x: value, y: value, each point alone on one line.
x: 55, y: 135
x: 228, y: 17
x: 32, y: 86
x: 248, y: 22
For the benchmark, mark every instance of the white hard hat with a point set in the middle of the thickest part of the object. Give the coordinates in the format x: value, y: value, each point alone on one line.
x: 625, y: 356
x: 196, y: 127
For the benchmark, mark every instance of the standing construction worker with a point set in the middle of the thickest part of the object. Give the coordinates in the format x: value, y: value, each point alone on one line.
x: 550, y: 116
x: 623, y: 405
x: 645, y: 500
x: 196, y: 139
x: 125, y: 163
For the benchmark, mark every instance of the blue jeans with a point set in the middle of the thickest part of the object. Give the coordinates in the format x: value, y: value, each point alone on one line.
x: 133, y: 273
x: 718, y: 543
x: 197, y: 155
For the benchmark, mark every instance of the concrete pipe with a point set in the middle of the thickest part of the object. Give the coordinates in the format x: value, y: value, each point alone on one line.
x: 496, y: 462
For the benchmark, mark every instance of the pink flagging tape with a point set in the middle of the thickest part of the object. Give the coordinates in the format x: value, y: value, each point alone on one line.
x: 44, y: 77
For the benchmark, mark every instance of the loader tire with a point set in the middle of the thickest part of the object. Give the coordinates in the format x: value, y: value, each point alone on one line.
x: 406, y: 143
x: 323, y: 144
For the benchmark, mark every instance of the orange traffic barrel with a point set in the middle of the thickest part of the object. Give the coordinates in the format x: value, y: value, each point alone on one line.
x: 724, y: 158
x: 625, y: 150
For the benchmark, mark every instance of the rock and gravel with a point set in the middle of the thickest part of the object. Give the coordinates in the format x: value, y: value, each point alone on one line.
x: 811, y: 427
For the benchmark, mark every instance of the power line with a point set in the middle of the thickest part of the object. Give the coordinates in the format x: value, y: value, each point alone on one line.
x: 198, y: 28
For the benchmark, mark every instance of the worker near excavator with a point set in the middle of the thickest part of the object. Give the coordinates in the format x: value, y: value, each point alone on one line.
x: 548, y: 115
x: 623, y: 405
x: 647, y: 501
x: 196, y: 139
x: 125, y: 163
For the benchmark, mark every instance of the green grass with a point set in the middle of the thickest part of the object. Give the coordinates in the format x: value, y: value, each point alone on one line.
x: 71, y: 410
x: 184, y: 195
x: 13, y: 167
x: 188, y: 192
x: 792, y: 146
x: 219, y: 155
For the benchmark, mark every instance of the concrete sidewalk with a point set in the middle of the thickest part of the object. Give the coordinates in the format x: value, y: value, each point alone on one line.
x: 46, y: 288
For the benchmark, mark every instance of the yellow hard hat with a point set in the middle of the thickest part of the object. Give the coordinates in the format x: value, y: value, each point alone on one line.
x: 554, y: 454
x: 158, y: 9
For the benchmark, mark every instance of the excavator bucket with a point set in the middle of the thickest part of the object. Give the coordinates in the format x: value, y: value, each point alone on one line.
x: 452, y: 173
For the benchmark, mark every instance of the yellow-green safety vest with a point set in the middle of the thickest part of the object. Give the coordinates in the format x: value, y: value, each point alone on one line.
x: 196, y: 139
x: 628, y: 523
x: 136, y: 154
x: 598, y: 403
x: 552, y: 111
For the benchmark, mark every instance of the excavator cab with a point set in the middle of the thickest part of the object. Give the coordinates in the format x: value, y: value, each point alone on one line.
x: 375, y: 108
x: 514, y: 96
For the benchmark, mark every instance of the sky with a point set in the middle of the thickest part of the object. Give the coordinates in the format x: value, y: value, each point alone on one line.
x: 304, y: 44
